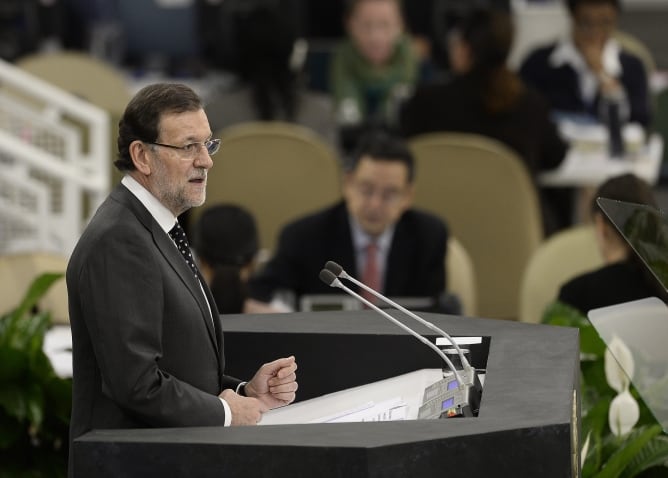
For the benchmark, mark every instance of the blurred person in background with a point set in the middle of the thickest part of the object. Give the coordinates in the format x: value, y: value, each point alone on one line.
x: 373, y: 232
x: 623, y: 276
x: 269, y: 84
x: 583, y: 73
x: 226, y: 242
x: 484, y: 97
x: 371, y: 70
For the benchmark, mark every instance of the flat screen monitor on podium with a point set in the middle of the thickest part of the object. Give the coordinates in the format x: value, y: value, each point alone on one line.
x: 642, y: 327
x: 645, y: 228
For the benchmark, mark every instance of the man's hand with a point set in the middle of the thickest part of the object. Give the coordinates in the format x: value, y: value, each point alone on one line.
x: 592, y: 52
x: 245, y: 410
x: 275, y: 383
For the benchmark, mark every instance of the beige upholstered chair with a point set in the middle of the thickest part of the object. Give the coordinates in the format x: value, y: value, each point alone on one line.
x: 483, y: 191
x: 560, y: 258
x: 278, y: 171
x: 461, y: 276
x: 82, y: 75
x: 638, y: 48
x: 18, y: 271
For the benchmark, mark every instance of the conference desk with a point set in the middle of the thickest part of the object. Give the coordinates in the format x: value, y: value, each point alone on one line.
x: 590, y: 167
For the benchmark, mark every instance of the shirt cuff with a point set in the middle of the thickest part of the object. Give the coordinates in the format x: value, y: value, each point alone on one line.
x: 241, y: 389
x: 228, y: 413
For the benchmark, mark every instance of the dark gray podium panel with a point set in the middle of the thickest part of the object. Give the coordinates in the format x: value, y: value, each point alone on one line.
x: 527, y: 426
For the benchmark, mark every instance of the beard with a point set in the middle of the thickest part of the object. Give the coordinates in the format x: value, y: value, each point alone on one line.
x: 177, y: 196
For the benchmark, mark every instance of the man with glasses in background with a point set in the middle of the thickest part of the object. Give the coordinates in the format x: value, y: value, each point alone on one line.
x: 147, y: 337
x: 372, y: 233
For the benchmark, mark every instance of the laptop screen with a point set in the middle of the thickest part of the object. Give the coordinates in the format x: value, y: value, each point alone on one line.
x: 645, y: 228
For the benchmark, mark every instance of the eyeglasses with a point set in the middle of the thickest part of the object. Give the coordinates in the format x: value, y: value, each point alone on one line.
x: 595, y: 24
x: 387, y: 196
x: 191, y: 149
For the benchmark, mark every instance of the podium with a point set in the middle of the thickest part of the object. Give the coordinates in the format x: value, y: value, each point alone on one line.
x: 528, y: 423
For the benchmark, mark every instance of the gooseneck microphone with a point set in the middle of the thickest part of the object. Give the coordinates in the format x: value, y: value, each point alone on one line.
x: 338, y: 271
x: 329, y: 278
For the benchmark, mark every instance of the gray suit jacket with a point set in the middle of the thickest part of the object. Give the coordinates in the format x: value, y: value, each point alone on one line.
x: 146, y: 351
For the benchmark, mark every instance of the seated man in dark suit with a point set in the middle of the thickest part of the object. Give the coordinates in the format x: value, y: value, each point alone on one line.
x: 585, y: 72
x: 372, y: 233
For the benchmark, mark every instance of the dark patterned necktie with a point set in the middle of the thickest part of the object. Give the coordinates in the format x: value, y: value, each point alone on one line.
x: 179, y: 235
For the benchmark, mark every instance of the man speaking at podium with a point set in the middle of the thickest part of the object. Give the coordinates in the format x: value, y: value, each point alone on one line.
x: 393, y: 248
x: 147, y: 337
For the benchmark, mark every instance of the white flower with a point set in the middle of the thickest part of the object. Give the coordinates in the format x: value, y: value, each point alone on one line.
x: 619, y: 365
x: 585, y: 450
x: 623, y: 413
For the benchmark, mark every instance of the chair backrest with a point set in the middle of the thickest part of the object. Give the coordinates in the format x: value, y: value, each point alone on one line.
x: 17, y: 271
x: 278, y: 171
x: 82, y: 75
x: 634, y: 45
x: 461, y: 276
x: 484, y: 192
x: 560, y: 258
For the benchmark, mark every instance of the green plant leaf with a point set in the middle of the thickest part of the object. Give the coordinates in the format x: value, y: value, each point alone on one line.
x: 58, y: 396
x: 597, y: 418
x: 35, y: 292
x: 34, y: 403
x: 562, y: 314
x: 13, y: 364
x: 655, y: 453
x: 40, y: 366
x: 10, y: 430
x: 593, y: 460
x: 627, y: 450
x: 34, y: 398
x: 12, y: 400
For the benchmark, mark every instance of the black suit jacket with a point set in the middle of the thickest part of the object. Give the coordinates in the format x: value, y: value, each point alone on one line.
x: 146, y: 350
x: 609, y: 285
x: 457, y: 105
x: 415, y: 266
x: 561, y: 88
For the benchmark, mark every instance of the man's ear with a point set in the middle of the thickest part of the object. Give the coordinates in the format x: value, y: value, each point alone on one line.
x: 607, y: 231
x: 140, y: 157
x: 599, y: 224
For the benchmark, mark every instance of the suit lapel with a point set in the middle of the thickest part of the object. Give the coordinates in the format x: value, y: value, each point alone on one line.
x: 399, y: 260
x: 172, y: 256
x: 342, y: 241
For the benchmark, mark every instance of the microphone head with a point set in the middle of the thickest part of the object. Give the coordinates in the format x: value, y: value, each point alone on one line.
x: 328, y: 277
x: 334, y: 268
